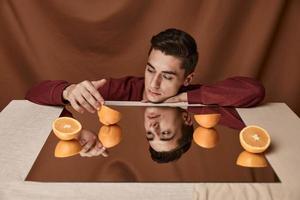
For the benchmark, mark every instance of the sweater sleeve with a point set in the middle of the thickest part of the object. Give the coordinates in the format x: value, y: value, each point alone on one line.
x: 128, y: 88
x: 48, y: 92
x: 234, y: 91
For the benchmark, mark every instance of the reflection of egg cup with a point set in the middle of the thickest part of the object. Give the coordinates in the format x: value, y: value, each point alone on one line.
x: 247, y: 159
x: 67, y: 148
x: 110, y: 136
x: 206, y: 137
x: 207, y: 120
x: 108, y: 116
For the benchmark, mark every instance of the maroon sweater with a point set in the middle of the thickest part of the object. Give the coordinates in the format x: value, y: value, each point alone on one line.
x: 234, y: 91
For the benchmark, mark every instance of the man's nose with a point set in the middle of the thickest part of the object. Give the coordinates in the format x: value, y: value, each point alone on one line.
x: 155, y: 82
x: 154, y: 125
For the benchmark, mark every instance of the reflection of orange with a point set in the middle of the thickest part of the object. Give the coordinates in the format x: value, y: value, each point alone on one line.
x: 110, y: 135
x: 207, y: 120
x: 206, y: 138
x: 67, y: 148
x: 254, y: 139
x: 247, y: 159
x: 66, y: 128
x: 108, y: 116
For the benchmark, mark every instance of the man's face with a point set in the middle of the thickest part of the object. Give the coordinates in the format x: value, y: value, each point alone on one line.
x: 164, y: 76
x: 163, y: 127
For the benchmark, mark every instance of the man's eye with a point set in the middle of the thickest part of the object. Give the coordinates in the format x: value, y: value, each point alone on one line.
x: 168, y: 77
x: 150, y: 70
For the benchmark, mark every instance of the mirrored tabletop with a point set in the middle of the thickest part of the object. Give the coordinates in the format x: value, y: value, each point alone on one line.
x: 157, y: 144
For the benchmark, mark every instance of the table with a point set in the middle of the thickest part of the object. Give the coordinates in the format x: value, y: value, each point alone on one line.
x: 23, y: 131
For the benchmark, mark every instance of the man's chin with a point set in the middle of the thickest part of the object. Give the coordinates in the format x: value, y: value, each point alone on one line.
x: 156, y: 99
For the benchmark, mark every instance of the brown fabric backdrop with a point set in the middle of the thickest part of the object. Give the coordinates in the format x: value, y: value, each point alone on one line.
x: 77, y: 40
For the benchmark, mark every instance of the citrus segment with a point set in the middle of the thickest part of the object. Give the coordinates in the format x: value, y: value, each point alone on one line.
x: 108, y: 116
x: 254, y: 139
x: 66, y: 128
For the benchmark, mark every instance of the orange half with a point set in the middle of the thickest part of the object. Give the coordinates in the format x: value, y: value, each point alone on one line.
x: 66, y: 128
x: 254, y: 139
x: 207, y: 120
x: 110, y: 136
x: 108, y: 116
x: 206, y: 138
x: 246, y: 159
x: 67, y: 148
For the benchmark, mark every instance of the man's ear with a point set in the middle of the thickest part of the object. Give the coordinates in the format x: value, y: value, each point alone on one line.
x: 188, y: 79
x: 187, y: 119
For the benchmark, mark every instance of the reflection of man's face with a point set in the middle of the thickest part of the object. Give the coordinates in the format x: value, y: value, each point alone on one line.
x: 163, y: 127
x: 164, y: 76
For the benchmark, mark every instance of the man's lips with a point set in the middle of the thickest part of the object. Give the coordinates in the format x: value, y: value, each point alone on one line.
x: 153, y: 93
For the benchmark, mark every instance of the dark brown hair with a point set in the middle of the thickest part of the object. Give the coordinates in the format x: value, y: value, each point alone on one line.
x: 184, y: 144
x: 179, y: 44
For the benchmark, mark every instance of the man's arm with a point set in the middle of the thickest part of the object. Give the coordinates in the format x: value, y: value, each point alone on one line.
x: 48, y: 93
x: 86, y: 95
x: 234, y: 91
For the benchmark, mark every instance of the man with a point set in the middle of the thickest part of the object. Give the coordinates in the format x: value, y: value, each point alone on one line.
x: 168, y: 73
x: 169, y: 132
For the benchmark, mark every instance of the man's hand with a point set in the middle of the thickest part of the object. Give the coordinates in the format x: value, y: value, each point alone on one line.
x: 182, y: 97
x: 91, y: 146
x: 85, y: 95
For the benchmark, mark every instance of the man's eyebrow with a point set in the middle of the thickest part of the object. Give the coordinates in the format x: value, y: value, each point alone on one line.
x: 150, y: 65
x: 166, y: 72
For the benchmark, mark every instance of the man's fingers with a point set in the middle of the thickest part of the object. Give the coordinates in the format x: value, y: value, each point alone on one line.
x: 95, y: 151
x: 145, y: 101
x: 82, y: 141
x: 87, y: 146
x: 105, y: 154
x: 98, y: 84
x: 171, y: 100
x: 94, y: 92
x: 83, y: 102
x: 98, y: 151
x: 90, y: 99
x: 182, y: 97
x: 76, y: 107
x: 92, y: 152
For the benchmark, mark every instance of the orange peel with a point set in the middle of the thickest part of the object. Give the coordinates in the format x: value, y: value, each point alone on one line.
x: 246, y: 159
x: 206, y: 138
x: 108, y: 116
x: 207, y: 120
x: 67, y: 148
x: 110, y: 136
